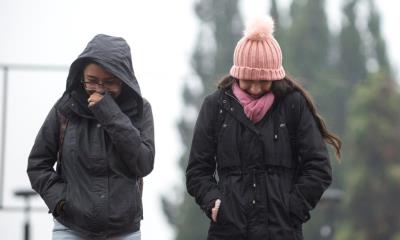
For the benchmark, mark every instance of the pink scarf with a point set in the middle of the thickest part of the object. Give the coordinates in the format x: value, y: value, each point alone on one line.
x: 254, y: 108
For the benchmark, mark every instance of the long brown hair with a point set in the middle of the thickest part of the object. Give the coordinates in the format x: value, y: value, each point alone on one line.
x: 282, y: 88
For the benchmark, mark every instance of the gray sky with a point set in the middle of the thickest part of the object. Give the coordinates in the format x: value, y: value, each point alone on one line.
x: 161, y: 35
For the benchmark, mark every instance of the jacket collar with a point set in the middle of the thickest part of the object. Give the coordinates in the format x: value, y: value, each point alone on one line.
x: 232, y: 106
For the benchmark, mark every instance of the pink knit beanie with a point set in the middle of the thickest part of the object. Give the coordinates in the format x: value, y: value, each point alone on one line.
x: 258, y: 55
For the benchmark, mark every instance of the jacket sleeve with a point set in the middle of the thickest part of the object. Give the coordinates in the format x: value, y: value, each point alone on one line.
x: 200, y: 181
x: 315, y: 174
x: 136, y: 148
x: 43, y: 178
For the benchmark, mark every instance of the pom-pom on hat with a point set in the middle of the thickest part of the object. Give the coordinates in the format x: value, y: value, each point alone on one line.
x: 258, y: 55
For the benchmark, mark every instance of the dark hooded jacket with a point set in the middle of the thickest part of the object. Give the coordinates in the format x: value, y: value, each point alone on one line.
x: 268, y: 175
x: 105, y: 149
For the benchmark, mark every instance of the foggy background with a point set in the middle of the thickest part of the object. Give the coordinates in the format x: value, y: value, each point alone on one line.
x: 162, y: 37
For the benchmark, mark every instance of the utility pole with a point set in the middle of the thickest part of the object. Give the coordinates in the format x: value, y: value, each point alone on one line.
x: 3, y: 132
x: 26, y: 194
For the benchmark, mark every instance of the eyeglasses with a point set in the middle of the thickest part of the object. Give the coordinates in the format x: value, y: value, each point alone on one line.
x: 107, y: 84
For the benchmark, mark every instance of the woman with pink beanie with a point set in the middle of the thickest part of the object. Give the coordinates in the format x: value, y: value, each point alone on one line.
x: 258, y: 162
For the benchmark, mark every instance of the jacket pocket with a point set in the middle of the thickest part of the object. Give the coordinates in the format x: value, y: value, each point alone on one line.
x: 293, y: 221
x: 223, y: 212
x: 76, y: 211
x: 131, y: 210
x: 232, y: 208
x: 68, y: 213
x: 223, y: 216
x: 299, y: 212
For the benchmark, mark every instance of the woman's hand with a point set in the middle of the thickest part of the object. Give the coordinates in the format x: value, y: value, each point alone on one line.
x: 94, y: 98
x: 214, y: 210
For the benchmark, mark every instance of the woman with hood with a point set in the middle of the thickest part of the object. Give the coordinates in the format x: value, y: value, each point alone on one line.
x: 101, y: 135
x: 258, y: 162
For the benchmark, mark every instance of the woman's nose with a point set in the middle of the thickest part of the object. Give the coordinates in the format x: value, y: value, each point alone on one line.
x: 100, y: 89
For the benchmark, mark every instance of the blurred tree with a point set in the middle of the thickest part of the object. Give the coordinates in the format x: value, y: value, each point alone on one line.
x: 279, y: 31
x: 220, y: 29
x: 378, y: 45
x: 373, y: 176
x: 309, y: 39
x: 373, y: 169
x: 352, y: 62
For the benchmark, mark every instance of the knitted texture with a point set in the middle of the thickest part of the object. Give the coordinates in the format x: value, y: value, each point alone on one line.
x: 258, y: 55
x: 255, y: 109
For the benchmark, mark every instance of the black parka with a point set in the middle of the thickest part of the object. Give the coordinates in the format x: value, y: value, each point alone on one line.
x: 266, y: 189
x: 106, y: 148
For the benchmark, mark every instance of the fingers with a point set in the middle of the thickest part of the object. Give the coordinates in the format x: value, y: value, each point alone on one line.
x: 214, y: 214
x: 94, y: 98
x: 214, y: 210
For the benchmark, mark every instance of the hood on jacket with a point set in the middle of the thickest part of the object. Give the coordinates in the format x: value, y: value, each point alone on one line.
x: 114, y: 55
